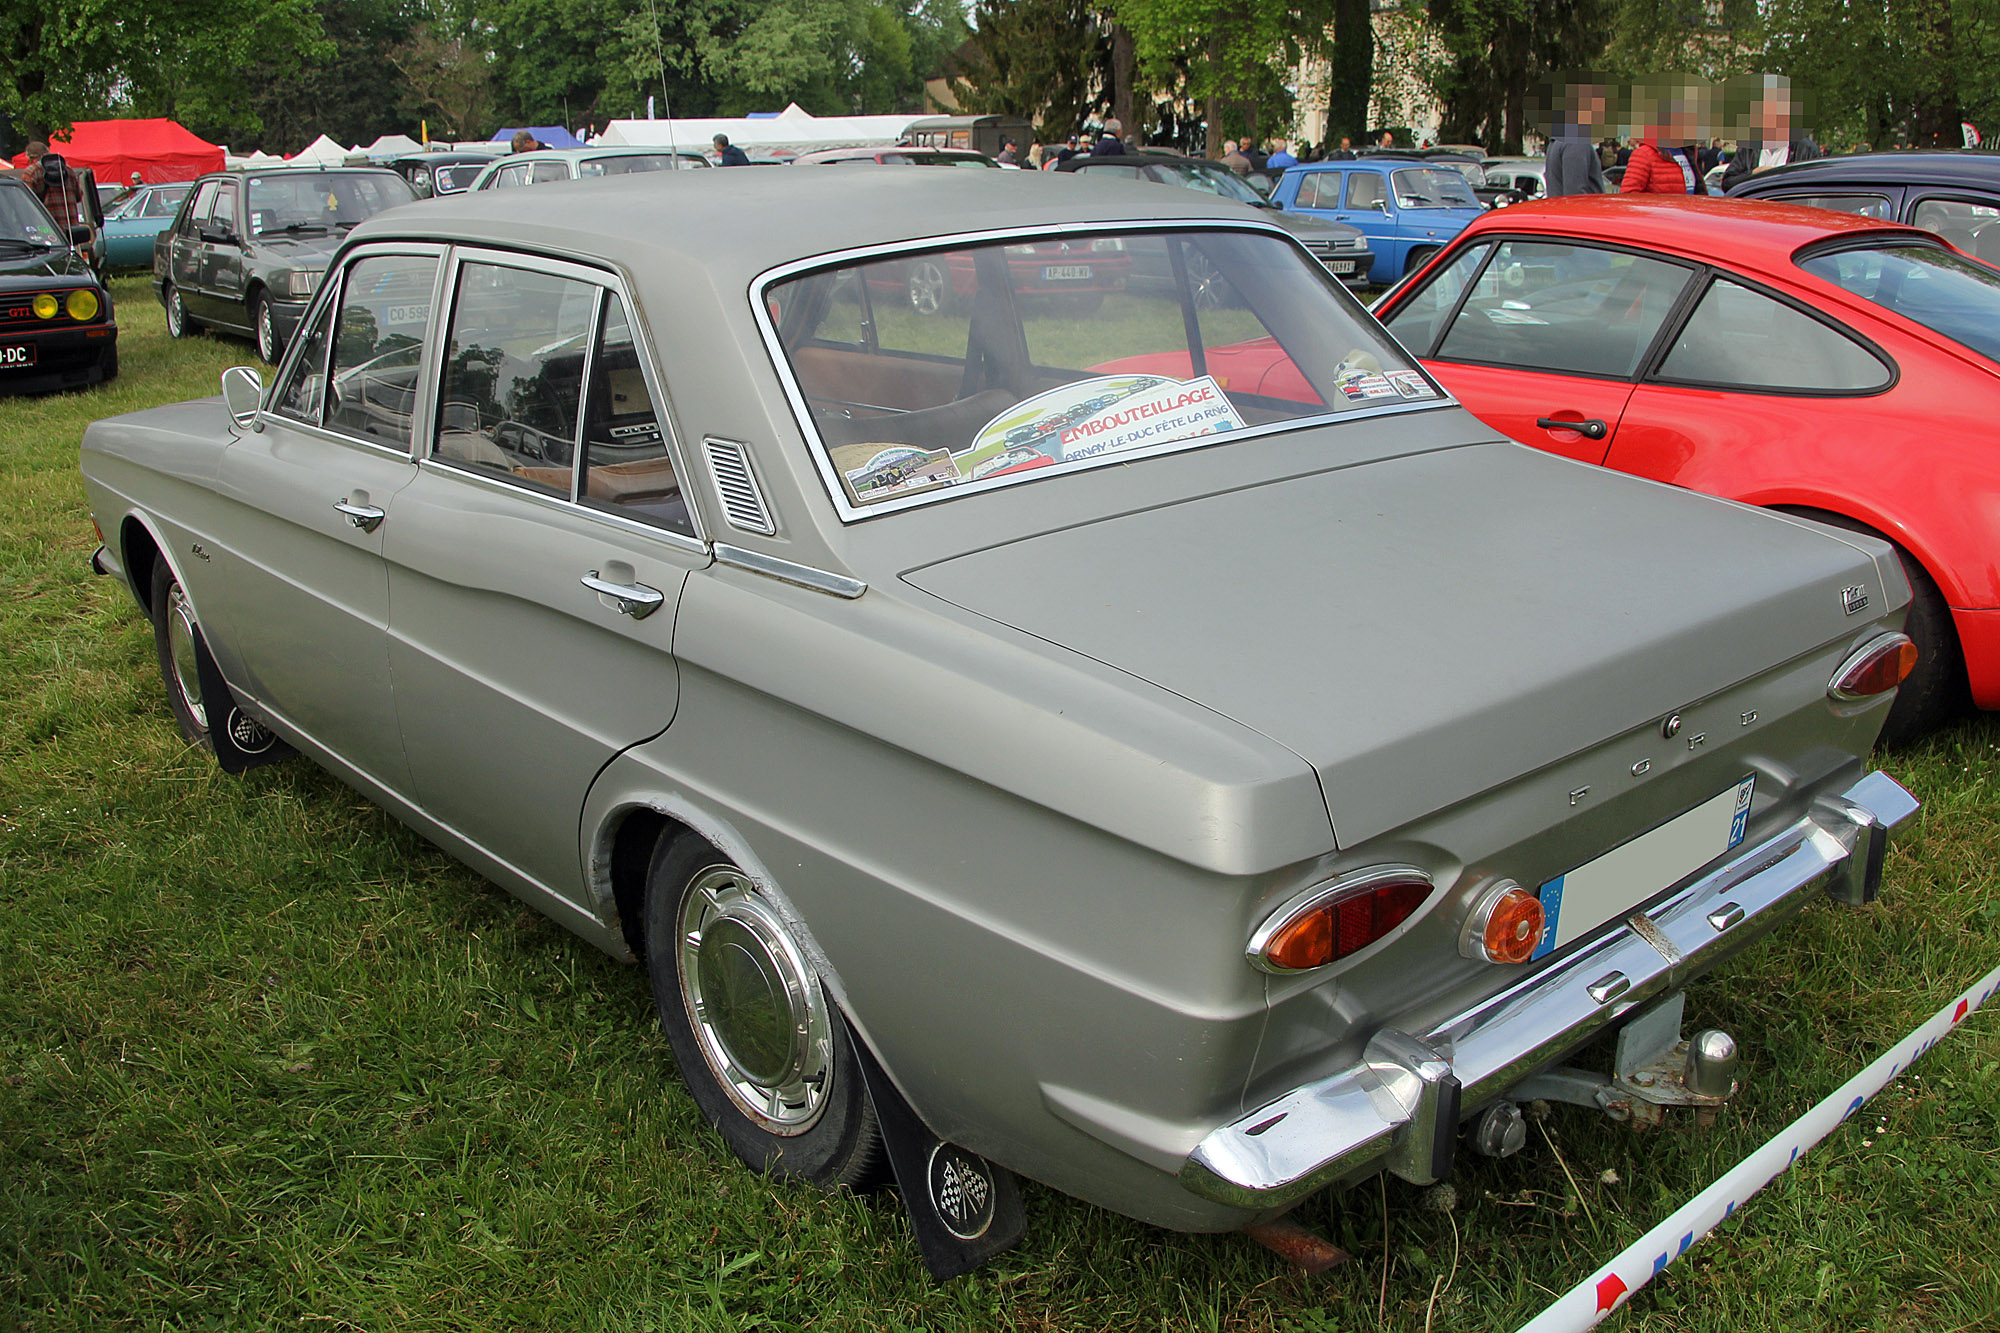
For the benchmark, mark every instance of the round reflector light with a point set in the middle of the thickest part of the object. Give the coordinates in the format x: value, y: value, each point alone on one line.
x: 82, y: 304
x: 46, y: 305
x: 1505, y: 925
x: 1877, y: 666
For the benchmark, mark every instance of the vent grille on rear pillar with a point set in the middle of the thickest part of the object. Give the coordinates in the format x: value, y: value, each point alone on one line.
x: 742, y: 498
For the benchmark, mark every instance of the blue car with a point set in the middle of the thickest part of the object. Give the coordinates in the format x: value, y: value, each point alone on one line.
x: 131, y: 226
x: 1407, y: 208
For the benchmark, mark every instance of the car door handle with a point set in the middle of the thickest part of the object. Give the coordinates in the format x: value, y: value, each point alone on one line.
x: 634, y: 599
x: 366, y: 517
x: 1592, y: 429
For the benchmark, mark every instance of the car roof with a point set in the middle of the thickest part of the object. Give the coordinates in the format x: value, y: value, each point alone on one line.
x: 1739, y: 231
x: 296, y: 168
x: 1914, y: 167
x: 737, y: 224
x: 875, y: 152
x: 587, y: 153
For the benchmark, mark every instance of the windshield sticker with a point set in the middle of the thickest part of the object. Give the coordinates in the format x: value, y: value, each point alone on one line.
x: 1358, y: 384
x: 1106, y: 414
x: 1410, y: 384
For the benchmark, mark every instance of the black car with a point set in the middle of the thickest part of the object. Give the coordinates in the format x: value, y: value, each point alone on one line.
x: 56, y: 325
x: 1953, y: 193
x: 432, y: 174
x: 248, y: 246
x: 1343, y: 249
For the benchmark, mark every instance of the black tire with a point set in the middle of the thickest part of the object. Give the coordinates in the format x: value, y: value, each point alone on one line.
x: 107, y: 365
x: 1419, y: 257
x: 179, y: 323
x: 264, y: 328
x: 764, y: 1053
x: 174, y: 627
x: 1938, y: 690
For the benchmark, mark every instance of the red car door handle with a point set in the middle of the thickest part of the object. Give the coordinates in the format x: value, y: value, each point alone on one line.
x: 1592, y: 429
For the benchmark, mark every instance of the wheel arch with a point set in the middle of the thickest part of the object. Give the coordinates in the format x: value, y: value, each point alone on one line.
x: 140, y: 548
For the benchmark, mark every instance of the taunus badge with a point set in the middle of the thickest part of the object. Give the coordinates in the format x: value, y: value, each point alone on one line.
x: 1854, y: 598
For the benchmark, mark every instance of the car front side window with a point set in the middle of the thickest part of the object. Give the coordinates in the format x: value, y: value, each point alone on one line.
x: 1572, y: 309
x: 1417, y: 321
x: 378, y: 347
x: 513, y: 375
x: 1366, y: 190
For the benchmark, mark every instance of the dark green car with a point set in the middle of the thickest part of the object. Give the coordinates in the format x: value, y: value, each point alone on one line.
x: 247, y: 248
x: 56, y: 329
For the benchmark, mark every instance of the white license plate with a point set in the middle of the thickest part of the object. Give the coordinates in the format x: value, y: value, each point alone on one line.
x: 406, y: 314
x: 1339, y: 265
x: 1066, y: 273
x: 1579, y: 902
x: 16, y: 354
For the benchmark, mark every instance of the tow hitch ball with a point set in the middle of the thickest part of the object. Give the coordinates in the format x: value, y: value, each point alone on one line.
x: 1654, y: 1068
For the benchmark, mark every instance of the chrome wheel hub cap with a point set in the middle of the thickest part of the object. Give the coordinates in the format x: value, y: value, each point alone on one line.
x: 180, y: 644
x: 754, y: 1004
x: 927, y: 285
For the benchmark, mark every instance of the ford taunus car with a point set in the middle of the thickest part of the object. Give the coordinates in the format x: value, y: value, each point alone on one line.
x: 1236, y: 791
x: 56, y: 325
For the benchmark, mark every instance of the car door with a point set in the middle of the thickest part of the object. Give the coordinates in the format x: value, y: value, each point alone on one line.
x: 187, y: 248
x: 1365, y: 204
x: 537, y: 561
x: 1749, y: 392
x: 1546, y: 341
x: 306, y: 602
x: 225, y: 260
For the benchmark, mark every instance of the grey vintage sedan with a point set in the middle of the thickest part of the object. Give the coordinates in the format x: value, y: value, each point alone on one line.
x: 1165, y: 749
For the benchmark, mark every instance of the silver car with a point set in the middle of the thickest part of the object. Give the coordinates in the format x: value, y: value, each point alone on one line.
x: 1172, y: 752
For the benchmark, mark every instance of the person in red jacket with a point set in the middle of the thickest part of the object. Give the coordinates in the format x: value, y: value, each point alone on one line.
x: 1652, y: 171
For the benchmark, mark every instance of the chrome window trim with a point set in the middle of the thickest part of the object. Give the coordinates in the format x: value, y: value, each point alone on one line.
x: 330, y: 294
x: 790, y: 571
x: 608, y: 279
x: 563, y: 505
x: 821, y: 457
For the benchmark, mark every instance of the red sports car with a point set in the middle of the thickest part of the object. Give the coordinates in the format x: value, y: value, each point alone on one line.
x: 1825, y: 364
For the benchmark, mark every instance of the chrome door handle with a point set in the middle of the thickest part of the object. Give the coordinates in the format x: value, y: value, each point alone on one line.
x: 366, y: 517
x: 634, y: 599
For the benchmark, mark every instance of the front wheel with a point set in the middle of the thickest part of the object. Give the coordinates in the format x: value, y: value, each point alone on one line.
x: 178, y: 323
x: 269, y: 348
x: 174, y: 637
x: 929, y: 287
x: 764, y: 1054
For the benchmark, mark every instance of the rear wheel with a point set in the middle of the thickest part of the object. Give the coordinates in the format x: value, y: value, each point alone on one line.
x: 266, y: 326
x: 1419, y: 257
x: 1938, y: 689
x: 178, y: 323
x: 765, y: 1056
x: 174, y: 630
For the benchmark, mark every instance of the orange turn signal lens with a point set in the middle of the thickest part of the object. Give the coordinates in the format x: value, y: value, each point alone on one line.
x: 1504, y: 926
x: 1340, y: 918
x: 1876, y: 667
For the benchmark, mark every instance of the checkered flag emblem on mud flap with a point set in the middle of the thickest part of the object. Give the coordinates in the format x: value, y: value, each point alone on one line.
x: 962, y: 1191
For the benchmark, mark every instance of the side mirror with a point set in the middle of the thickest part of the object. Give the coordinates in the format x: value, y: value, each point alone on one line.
x: 80, y: 234
x: 242, y: 392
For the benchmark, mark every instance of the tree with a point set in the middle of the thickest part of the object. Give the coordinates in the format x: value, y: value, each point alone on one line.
x: 451, y: 73
x: 1037, y: 59
x: 68, y: 60
x: 1233, y: 55
x: 1499, y: 49
x: 1351, y: 70
x: 350, y: 90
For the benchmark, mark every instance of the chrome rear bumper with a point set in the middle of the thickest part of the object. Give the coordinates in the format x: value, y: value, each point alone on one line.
x: 1399, y: 1107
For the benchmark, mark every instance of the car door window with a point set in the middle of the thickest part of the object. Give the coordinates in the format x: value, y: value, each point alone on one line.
x: 546, y: 172
x: 1961, y: 221
x: 1417, y: 321
x: 505, y: 177
x: 303, y: 392
x: 197, y: 214
x: 626, y: 467
x: 378, y: 347
x: 1574, y: 309
x: 1746, y: 340
x: 224, y: 217
x: 1367, y: 190
x: 513, y: 374
x: 1866, y: 204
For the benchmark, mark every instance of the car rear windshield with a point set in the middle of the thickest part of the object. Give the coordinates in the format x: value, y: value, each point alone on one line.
x: 1945, y: 292
x: 322, y: 201
x: 626, y: 163
x: 1432, y: 187
x: 924, y: 375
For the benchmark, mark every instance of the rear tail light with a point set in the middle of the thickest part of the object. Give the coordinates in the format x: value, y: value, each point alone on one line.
x: 1341, y: 917
x: 1504, y: 926
x: 1877, y: 666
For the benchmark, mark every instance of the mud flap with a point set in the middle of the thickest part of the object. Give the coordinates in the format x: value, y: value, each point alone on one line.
x: 964, y: 1209
x: 241, y: 742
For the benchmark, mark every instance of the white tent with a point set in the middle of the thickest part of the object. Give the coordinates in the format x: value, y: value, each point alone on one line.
x: 794, y: 129
x: 322, y: 152
x: 392, y: 145
x: 259, y: 158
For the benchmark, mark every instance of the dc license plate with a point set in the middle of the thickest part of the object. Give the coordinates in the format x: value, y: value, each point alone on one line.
x: 1066, y: 273
x: 15, y: 355
x: 1576, y: 903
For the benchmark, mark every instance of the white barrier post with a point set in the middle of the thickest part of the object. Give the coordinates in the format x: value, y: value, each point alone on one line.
x: 1614, y: 1283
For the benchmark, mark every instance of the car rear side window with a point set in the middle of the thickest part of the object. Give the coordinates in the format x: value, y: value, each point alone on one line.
x: 626, y: 467
x: 513, y: 375
x: 1573, y: 309
x: 1962, y: 222
x: 1746, y: 340
x: 1944, y: 292
x: 1865, y: 204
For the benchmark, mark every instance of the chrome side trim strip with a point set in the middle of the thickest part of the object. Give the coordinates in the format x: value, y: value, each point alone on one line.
x: 806, y: 576
x: 1332, y: 1128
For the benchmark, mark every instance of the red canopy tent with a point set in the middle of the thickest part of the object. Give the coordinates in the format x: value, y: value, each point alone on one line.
x: 159, y: 150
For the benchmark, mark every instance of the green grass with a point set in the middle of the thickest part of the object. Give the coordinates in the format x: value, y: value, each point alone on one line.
x: 267, y: 1061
